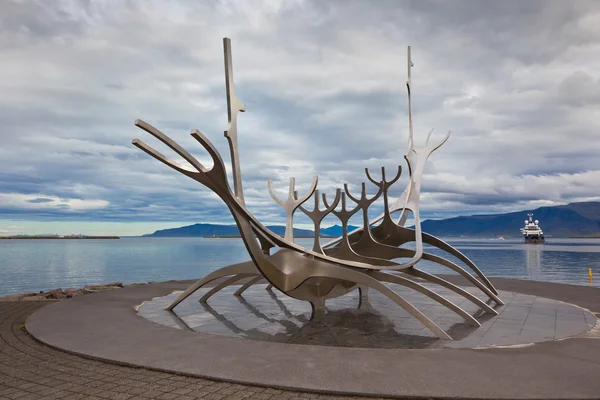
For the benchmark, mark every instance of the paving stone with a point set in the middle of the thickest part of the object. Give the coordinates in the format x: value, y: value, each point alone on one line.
x: 31, y: 371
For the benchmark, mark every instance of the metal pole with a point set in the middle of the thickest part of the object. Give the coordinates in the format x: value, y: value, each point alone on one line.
x: 404, y: 214
x: 234, y: 105
x: 408, y: 86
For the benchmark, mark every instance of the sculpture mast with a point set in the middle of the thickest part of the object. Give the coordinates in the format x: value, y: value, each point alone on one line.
x: 404, y: 214
x: 410, y: 124
x: 234, y: 105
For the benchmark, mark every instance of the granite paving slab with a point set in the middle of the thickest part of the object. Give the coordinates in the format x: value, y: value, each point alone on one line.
x: 106, y: 326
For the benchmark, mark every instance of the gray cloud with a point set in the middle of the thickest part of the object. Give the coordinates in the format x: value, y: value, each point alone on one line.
x: 40, y: 200
x: 516, y: 82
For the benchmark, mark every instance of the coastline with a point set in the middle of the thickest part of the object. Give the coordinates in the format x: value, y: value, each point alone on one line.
x: 232, y: 237
x: 59, y: 293
x: 59, y: 237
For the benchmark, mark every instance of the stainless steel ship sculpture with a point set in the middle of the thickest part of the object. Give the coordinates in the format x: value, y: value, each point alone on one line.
x: 366, y: 258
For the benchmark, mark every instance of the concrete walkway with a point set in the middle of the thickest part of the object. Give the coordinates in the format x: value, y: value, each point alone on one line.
x: 30, y: 370
x: 105, y: 326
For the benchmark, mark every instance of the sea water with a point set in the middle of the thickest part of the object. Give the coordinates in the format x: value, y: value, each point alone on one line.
x: 34, y: 265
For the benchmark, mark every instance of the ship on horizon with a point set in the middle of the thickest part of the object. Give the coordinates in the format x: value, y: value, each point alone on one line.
x: 532, y: 233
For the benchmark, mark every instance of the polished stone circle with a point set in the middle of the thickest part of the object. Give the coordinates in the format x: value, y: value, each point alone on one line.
x: 375, y: 322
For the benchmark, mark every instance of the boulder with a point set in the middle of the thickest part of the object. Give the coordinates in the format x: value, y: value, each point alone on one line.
x: 99, y: 288
x: 71, y: 292
x: 55, y: 294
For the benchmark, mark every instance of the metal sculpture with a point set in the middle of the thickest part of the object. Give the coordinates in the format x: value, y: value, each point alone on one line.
x: 359, y: 260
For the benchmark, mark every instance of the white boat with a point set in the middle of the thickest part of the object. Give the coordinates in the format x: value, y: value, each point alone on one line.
x: 532, y: 233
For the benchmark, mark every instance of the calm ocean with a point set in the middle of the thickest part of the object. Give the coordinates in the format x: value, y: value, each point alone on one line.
x: 33, y: 265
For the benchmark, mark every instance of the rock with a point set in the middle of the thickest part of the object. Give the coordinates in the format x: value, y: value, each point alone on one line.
x: 55, y: 294
x: 71, y: 292
x: 99, y: 288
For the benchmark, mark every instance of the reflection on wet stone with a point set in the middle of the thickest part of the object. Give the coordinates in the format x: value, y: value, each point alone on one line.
x: 269, y: 316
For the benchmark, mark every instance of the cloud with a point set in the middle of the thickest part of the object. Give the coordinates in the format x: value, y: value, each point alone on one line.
x: 17, y: 203
x: 323, y: 83
x: 40, y: 200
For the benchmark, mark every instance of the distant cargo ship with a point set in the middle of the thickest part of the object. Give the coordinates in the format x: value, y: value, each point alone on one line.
x: 532, y: 233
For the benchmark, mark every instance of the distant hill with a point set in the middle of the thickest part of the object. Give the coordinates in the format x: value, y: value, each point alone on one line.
x: 575, y: 219
x: 280, y: 230
x: 336, y: 230
x: 208, y: 230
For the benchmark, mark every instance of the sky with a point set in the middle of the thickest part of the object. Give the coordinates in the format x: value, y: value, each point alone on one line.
x: 517, y: 83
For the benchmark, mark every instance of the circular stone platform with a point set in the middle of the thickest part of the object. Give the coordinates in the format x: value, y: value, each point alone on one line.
x: 107, y: 326
x: 376, y: 322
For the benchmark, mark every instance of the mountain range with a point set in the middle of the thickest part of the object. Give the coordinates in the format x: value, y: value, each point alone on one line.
x: 574, y: 219
x: 209, y: 230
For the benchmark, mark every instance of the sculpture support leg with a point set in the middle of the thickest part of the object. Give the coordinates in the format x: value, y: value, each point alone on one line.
x: 363, y: 295
x: 318, y: 307
x: 246, y: 285
x: 440, y: 244
x: 222, y: 285
x: 429, y: 293
x: 471, y: 278
x: 241, y: 268
x: 444, y: 283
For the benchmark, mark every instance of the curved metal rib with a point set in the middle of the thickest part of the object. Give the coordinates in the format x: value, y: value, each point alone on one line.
x: 440, y: 244
x: 444, y: 283
x: 223, y: 285
x: 389, y: 252
x: 405, y: 235
x: 246, y: 285
x: 247, y: 267
x: 391, y: 238
x: 471, y: 278
x: 427, y: 292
